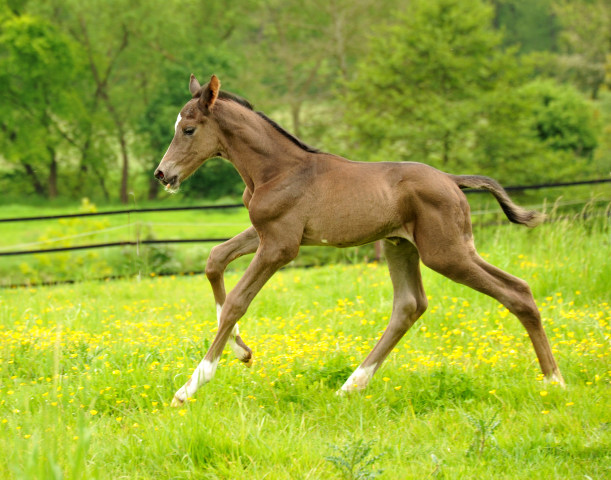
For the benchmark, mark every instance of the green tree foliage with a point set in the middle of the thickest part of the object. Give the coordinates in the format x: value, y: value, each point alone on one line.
x: 89, y: 89
x: 113, y: 35
x: 38, y: 64
x: 585, y: 41
x: 531, y: 25
x: 418, y: 93
x: 301, y: 51
x: 437, y: 88
x: 561, y: 117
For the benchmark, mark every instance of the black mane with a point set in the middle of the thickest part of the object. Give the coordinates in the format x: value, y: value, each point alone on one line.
x: 245, y: 103
x: 235, y: 98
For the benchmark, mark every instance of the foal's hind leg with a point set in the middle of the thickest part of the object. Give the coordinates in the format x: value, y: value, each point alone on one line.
x: 462, y: 264
x: 409, y: 303
x: 221, y: 256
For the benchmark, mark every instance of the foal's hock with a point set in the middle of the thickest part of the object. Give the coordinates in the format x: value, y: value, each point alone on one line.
x: 297, y: 195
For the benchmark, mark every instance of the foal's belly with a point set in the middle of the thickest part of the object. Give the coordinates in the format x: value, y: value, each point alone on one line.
x: 352, y: 203
x: 352, y: 222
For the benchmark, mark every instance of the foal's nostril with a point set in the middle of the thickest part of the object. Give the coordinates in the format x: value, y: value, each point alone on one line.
x: 159, y: 175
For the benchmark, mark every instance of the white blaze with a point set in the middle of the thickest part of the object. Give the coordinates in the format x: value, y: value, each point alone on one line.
x: 177, y: 122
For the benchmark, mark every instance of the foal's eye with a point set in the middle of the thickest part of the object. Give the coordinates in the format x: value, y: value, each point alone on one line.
x: 189, y: 131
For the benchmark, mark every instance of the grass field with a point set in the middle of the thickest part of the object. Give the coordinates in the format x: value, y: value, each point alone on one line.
x: 88, y: 370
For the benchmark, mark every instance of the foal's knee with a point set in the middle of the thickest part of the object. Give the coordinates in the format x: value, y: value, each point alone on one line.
x: 214, y: 265
x: 419, y: 307
x: 410, y: 309
x: 280, y: 255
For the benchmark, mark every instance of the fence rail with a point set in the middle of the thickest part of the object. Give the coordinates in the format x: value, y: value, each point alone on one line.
x: 514, y: 188
x: 126, y: 243
x: 209, y: 207
x: 119, y: 212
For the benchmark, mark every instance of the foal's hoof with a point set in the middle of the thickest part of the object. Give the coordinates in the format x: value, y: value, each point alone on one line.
x: 556, y: 378
x: 345, y: 391
x: 242, y: 351
x: 176, y: 402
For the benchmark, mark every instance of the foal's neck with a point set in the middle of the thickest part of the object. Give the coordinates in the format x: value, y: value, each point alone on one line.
x: 257, y: 150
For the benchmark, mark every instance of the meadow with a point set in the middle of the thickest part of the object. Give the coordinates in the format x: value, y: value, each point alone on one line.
x: 87, y: 372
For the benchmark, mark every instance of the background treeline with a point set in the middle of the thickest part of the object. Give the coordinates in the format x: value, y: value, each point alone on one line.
x: 90, y: 89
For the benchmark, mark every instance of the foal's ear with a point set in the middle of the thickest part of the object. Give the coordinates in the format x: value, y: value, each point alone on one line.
x: 194, y: 85
x: 210, y: 93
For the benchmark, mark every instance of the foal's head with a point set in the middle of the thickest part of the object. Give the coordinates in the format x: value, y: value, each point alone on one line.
x: 196, y: 136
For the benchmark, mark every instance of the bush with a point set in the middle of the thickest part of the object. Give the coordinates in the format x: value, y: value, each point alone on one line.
x: 561, y: 117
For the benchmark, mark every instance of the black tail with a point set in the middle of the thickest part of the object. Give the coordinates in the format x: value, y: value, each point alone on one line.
x: 514, y: 213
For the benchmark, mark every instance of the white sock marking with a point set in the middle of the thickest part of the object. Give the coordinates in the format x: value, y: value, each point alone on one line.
x: 359, y: 378
x: 205, y: 371
x: 201, y: 375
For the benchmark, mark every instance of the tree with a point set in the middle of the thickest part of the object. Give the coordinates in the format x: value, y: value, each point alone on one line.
x: 552, y: 135
x: 531, y: 25
x: 89, y: 90
x: 131, y: 51
x: 298, y: 52
x: 187, y: 42
x: 585, y: 41
x: 114, y: 36
x: 561, y: 117
x: 417, y: 95
x: 438, y: 88
x: 116, y: 66
x: 38, y: 65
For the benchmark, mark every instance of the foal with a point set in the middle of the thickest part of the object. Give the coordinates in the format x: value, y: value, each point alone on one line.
x: 296, y: 195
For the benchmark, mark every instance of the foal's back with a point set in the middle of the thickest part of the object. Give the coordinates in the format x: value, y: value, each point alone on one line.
x: 350, y: 203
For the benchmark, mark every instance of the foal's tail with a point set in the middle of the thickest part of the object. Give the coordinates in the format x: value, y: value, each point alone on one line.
x: 514, y: 213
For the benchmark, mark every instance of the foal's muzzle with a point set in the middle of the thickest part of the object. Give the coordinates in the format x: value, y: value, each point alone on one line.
x: 159, y: 175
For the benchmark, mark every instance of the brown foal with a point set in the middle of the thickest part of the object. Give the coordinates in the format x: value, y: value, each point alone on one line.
x: 296, y: 196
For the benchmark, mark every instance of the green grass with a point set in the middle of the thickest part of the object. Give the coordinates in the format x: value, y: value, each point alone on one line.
x: 87, y: 372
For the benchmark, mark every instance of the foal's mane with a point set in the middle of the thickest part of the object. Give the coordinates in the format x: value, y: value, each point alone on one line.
x: 245, y: 103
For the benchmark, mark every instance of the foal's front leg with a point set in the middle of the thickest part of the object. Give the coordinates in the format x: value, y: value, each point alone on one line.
x: 221, y: 256
x: 266, y: 262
